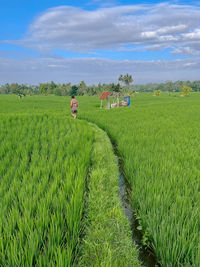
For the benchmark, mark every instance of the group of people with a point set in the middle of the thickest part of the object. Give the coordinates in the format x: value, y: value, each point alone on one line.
x: 74, y: 107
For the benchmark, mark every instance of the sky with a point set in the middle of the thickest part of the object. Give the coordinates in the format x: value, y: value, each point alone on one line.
x: 96, y: 41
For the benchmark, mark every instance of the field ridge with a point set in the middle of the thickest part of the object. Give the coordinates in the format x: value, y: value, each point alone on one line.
x: 108, y: 240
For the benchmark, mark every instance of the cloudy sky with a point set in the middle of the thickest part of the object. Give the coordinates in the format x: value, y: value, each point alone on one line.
x: 96, y: 41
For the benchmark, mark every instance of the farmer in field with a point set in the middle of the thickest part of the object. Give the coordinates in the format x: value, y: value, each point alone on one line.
x: 74, y: 107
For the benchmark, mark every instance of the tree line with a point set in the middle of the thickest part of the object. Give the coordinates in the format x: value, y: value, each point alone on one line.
x: 168, y: 86
x: 64, y: 89
x: 67, y: 89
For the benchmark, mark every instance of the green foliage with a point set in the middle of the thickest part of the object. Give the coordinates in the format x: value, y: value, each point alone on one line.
x: 82, y: 88
x: 44, y: 163
x: 65, y: 88
x: 117, y: 87
x: 43, y: 88
x: 157, y: 93
x: 160, y: 149
x: 186, y: 90
x: 74, y: 90
x: 127, y: 79
x: 44, y: 193
x: 107, y: 231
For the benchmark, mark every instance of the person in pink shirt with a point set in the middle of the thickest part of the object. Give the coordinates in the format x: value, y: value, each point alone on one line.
x: 74, y: 107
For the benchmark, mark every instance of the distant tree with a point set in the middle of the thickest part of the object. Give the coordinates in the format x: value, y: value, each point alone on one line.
x: 169, y: 86
x: 112, y: 87
x: 43, y: 87
x: 35, y: 89
x: 186, y: 90
x: 99, y: 89
x: 66, y: 88
x: 117, y: 87
x: 74, y: 90
x: 82, y: 88
x: 157, y: 93
x: 52, y: 87
x: 195, y: 86
x: 127, y: 79
x: 91, y: 90
x: 14, y: 88
x: 178, y: 85
x: 188, y: 83
x: 5, y: 89
x: 58, y: 91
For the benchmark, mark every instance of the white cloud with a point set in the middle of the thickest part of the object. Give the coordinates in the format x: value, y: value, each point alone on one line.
x: 131, y: 28
x: 186, y: 51
x: 93, y: 70
x: 172, y: 29
x: 195, y: 35
x: 149, y: 35
x: 75, y: 29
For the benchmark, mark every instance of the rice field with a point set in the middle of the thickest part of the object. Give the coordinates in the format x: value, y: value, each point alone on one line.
x: 158, y: 139
x: 54, y: 180
x: 44, y: 164
x: 51, y: 213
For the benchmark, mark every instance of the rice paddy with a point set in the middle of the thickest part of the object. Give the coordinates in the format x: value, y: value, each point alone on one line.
x: 44, y: 163
x: 48, y: 204
x: 158, y: 140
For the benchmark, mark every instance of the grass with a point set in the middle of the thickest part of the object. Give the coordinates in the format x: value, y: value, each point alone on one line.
x: 107, y: 231
x: 45, y: 161
x: 158, y: 141
x: 44, y: 164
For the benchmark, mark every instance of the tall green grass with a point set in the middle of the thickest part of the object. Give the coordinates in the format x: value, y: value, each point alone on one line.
x: 44, y: 164
x: 158, y: 139
x: 44, y: 202
x: 34, y: 104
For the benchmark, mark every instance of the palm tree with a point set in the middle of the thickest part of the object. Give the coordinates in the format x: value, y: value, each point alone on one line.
x: 127, y: 79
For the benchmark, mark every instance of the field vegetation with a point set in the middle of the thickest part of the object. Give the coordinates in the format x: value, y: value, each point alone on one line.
x: 158, y: 141
x: 44, y: 163
x: 108, y: 240
x: 59, y: 195
x: 157, y: 137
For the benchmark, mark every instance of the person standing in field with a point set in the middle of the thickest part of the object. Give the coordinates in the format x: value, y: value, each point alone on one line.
x: 74, y: 107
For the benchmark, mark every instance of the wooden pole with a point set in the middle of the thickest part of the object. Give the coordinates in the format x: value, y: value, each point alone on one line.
x: 108, y: 103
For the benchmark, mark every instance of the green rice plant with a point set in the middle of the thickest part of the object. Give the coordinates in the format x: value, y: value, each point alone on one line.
x: 107, y: 240
x: 45, y: 160
x: 158, y: 141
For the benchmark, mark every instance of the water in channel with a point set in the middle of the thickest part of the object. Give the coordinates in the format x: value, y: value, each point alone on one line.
x: 146, y: 256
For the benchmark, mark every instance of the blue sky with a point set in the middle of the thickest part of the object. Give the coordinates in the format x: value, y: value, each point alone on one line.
x: 96, y: 41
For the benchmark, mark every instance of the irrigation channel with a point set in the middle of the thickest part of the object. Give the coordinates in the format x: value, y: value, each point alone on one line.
x: 147, y: 256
